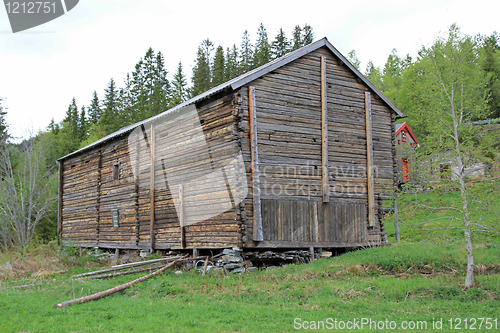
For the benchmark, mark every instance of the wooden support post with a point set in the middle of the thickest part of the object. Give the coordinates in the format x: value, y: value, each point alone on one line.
x: 311, y: 253
x: 369, y: 160
x: 181, y: 215
x: 195, y: 252
x: 316, y: 221
x: 60, y: 199
x: 324, y: 134
x: 152, y: 188
x: 258, y: 234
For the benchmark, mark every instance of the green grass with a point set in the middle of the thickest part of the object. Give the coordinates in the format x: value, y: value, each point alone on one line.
x: 415, y: 280
x: 379, y: 283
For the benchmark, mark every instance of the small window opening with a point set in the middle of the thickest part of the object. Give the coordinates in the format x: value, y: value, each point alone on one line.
x: 114, y: 214
x: 403, y: 136
x: 116, y: 171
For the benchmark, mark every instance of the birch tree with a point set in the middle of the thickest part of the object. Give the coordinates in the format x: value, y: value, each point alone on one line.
x: 448, y: 94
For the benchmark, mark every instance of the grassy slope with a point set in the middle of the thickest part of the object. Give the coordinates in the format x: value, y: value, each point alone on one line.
x: 381, y: 283
x: 414, y: 280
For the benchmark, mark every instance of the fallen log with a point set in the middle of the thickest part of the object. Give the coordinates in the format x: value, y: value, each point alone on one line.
x: 146, y: 262
x: 110, y: 275
x: 124, y: 266
x: 115, y: 289
x: 26, y: 286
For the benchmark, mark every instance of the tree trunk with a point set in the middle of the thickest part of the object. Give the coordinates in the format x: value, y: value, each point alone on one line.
x: 115, y: 289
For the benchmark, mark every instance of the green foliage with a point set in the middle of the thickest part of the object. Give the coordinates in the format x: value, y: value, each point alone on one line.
x: 246, y: 53
x: 218, y: 76
x: 280, y: 46
x: 201, y: 74
x: 94, y: 110
x: 347, y: 286
x: 232, y: 67
x: 262, y: 53
x: 179, y: 91
x: 353, y: 59
x: 489, y: 59
x: 111, y: 120
x: 3, y: 123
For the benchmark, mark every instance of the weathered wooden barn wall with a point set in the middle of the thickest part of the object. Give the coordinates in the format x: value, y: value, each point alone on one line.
x: 304, y: 130
x: 288, y: 107
x: 91, y: 193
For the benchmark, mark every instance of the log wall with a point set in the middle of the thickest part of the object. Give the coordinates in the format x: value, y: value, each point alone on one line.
x: 288, y: 104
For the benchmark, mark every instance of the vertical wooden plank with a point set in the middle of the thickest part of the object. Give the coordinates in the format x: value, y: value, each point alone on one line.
x: 181, y: 215
x: 369, y: 160
x: 152, y: 189
x: 316, y: 221
x: 258, y: 235
x: 138, y: 171
x: 324, y: 134
x: 60, y: 199
x: 98, y: 203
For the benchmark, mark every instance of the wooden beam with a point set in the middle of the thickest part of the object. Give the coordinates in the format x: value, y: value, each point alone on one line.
x: 98, y: 202
x: 324, y: 134
x: 258, y: 235
x: 152, y: 188
x: 369, y: 160
x: 136, y: 185
x: 181, y: 215
x: 316, y: 221
x: 60, y: 199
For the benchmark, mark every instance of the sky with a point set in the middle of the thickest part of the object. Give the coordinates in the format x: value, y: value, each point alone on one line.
x: 43, y: 68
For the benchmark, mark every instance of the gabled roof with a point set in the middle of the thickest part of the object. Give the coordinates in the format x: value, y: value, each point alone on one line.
x: 250, y: 76
x: 400, y: 127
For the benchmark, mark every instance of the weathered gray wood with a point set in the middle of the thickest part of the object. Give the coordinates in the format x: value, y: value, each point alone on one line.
x: 324, y: 134
x: 181, y: 215
x: 257, y: 214
x: 152, y: 188
x: 369, y: 160
x: 60, y: 199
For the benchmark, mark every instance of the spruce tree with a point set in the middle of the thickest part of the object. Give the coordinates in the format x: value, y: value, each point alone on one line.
x: 232, y: 68
x: 262, y: 54
x: 297, y: 38
x: 71, y: 127
x: 95, y: 110
x: 201, y: 74
x: 161, y: 98
x: 111, y: 120
x: 280, y: 45
x: 179, y: 93
x: 307, y: 35
x: 127, y: 102
x: 138, y: 91
x: 246, y: 53
x: 218, y: 67
x: 82, y: 125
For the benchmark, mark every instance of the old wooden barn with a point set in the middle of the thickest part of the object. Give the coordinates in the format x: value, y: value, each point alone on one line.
x: 297, y: 153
